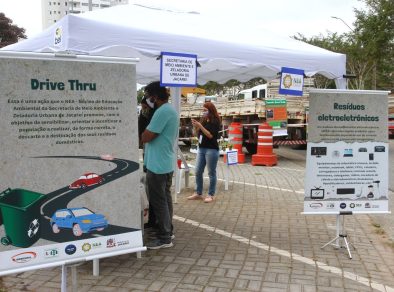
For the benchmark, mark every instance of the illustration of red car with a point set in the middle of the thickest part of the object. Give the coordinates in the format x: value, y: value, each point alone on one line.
x: 87, y: 180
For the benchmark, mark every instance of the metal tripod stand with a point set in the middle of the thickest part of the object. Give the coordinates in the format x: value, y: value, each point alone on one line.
x: 341, y: 234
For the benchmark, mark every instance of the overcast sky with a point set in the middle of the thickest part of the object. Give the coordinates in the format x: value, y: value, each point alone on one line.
x: 286, y: 17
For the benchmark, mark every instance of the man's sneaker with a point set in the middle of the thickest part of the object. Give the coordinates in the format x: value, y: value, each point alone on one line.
x: 156, y: 244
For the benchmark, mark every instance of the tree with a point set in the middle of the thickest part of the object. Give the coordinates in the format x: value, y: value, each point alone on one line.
x: 9, y: 33
x: 374, y: 28
x: 369, y: 48
x: 212, y: 87
x: 333, y: 42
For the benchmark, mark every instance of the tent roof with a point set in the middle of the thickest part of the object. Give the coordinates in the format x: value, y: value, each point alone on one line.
x: 226, y: 49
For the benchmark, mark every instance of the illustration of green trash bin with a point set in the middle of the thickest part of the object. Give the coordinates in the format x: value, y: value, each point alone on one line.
x: 20, y: 212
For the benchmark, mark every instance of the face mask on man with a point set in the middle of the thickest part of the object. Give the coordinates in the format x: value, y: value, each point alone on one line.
x: 152, y: 101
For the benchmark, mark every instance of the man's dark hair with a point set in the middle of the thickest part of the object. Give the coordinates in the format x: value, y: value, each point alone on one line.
x: 154, y: 89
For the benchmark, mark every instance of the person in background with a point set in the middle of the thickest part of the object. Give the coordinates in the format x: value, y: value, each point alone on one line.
x: 146, y: 114
x: 208, y: 151
x: 144, y: 118
x: 159, y: 139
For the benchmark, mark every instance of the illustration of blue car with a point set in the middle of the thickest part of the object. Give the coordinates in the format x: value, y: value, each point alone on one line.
x: 80, y: 220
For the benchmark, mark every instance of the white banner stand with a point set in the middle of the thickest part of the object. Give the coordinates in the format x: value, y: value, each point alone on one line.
x: 347, y: 157
x: 68, y: 63
x: 231, y: 159
x: 341, y: 234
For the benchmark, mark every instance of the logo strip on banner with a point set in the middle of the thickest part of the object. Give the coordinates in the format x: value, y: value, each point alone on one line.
x: 291, y: 81
x: 178, y: 70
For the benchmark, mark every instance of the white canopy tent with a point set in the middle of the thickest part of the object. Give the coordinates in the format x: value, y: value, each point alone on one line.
x: 226, y: 49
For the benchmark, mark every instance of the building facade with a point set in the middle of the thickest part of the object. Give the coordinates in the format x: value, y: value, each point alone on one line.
x: 54, y: 10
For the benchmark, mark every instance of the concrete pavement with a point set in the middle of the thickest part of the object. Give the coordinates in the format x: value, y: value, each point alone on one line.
x: 253, y: 237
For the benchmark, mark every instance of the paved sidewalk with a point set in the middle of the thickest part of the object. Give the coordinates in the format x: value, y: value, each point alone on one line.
x: 253, y: 237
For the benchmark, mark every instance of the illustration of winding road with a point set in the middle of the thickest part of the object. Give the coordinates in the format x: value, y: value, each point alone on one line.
x: 63, y: 196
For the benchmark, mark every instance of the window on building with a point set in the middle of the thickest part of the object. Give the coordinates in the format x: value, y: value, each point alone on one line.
x: 54, y: 3
x: 54, y: 20
x: 65, y: 3
x: 50, y: 12
x: 50, y: 3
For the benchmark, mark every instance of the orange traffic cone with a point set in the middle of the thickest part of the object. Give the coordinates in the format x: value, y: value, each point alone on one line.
x: 235, y: 138
x: 264, y: 155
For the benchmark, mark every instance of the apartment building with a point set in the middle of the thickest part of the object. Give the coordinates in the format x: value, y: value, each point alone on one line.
x: 54, y: 10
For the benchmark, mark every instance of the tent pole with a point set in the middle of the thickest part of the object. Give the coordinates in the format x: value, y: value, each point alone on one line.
x: 176, y: 103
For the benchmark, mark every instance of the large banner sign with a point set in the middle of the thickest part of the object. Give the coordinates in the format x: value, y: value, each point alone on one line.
x: 69, y: 161
x: 347, y: 154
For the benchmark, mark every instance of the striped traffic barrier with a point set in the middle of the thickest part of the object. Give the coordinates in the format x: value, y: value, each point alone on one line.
x: 265, y: 154
x: 235, y: 137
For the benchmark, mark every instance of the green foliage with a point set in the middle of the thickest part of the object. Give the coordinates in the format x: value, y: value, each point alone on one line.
x: 9, y: 33
x: 375, y: 30
x: 369, y: 48
x: 213, y: 87
x: 140, y: 94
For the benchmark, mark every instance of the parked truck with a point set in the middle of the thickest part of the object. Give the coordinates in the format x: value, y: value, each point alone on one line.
x: 263, y: 103
x: 253, y: 106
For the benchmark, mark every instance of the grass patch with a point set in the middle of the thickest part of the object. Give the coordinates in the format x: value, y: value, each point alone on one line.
x: 390, y: 244
x: 380, y: 231
x: 378, y: 228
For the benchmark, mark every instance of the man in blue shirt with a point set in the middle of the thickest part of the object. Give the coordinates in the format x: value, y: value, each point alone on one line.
x: 160, y: 136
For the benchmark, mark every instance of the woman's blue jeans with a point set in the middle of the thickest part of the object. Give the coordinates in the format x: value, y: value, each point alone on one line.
x: 208, y: 157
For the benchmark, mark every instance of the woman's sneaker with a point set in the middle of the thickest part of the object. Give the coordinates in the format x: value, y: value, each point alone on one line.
x: 208, y: 199
x: 195, y: 197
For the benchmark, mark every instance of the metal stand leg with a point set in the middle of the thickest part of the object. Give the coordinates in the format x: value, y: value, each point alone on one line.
x: 74, y: 280
x: 96, y: 267
x: 340, y: 234
x: 178, y: 177
x: 64, y: 279
x: 347, y: 245
x: 227, y: 174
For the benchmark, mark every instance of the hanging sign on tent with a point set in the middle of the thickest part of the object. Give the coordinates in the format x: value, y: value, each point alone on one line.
x: 178, y: 70
x: 291, y: 81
